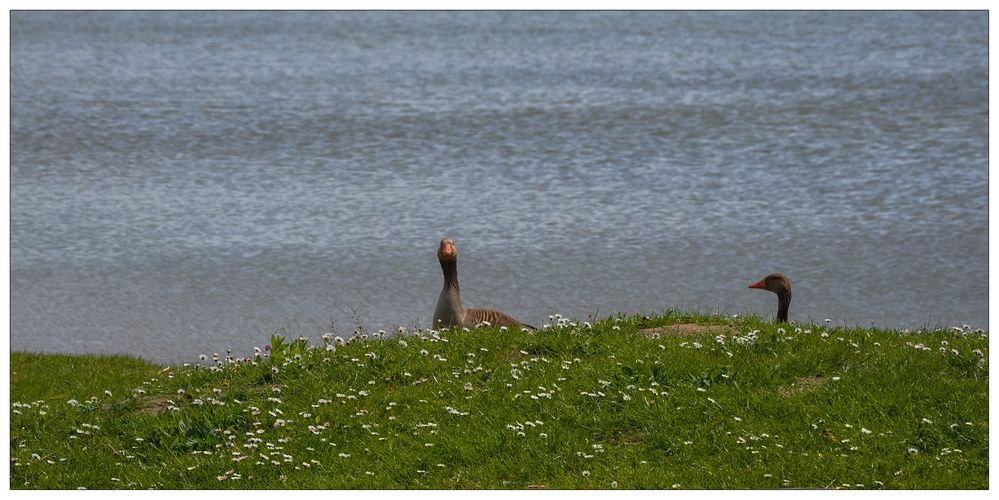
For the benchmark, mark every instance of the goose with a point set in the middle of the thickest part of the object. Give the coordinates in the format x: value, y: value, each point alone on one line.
x: 449, y: 311
x: 779, y: 284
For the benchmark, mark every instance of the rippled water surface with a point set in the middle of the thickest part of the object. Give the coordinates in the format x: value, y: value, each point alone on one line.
x: 190, y: 182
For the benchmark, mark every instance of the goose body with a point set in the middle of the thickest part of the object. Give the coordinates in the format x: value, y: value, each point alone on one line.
x: 780, y: 285
x: 450, y: 312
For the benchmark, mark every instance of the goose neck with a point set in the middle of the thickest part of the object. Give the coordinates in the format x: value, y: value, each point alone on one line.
x: 450, y: 274
x: 783, y: 304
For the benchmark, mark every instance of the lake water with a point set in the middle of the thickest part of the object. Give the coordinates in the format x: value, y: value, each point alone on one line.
x: 184, y: 183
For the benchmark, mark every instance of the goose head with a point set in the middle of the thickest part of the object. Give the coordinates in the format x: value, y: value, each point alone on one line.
x: 780, y: 285
x: 446, y: 252
x: 776, y: 283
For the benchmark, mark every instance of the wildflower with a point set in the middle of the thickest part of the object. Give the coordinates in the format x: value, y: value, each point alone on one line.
x: 613, y: 484
x: 586, y: 473
x: 864, y: 430
x: 72, y: 402
x: 468, y: 386
x: 423, y: 352
x: 107, y: 393
x: 927, y: 421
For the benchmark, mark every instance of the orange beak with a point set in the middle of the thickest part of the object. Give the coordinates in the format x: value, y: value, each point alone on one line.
x: 758, y: 284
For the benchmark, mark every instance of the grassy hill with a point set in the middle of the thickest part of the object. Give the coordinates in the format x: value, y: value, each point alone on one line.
x: 617, y: 404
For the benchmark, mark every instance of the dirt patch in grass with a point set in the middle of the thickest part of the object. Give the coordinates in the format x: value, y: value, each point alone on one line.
x: 630, y: 436
x: 154, y: 404
x: 509, y: 355
x: 801, y: 386
x: 688, y: 330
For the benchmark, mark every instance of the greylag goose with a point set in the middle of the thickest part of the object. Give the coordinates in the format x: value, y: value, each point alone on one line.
x: 779, y: 284
x: 449, y: 311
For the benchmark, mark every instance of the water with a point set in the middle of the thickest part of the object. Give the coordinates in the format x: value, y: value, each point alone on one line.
x: 190, y: 182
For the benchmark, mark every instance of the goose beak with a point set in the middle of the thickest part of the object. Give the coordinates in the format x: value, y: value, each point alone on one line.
x: 758, y: 284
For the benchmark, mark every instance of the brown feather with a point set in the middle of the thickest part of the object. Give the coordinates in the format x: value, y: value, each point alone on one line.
x: 475, y: 316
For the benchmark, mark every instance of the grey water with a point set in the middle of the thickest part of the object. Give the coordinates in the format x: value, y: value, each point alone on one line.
x: 186, y: 183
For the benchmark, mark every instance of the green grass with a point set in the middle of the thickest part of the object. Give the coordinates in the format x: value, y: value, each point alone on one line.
x: 801, y: 406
